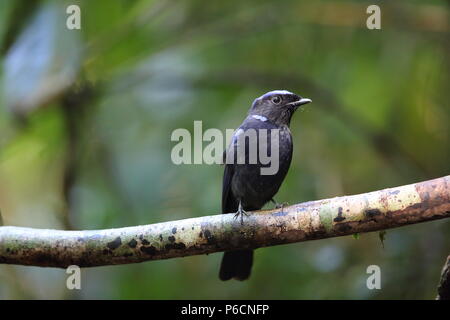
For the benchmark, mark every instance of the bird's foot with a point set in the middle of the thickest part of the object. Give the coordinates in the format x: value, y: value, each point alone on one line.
x: 241, y: 213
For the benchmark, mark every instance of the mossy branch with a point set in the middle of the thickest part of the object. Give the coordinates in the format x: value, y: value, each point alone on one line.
x: 340, y: 216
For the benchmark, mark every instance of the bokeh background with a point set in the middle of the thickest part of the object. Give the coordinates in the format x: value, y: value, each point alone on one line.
x: 86, y: 117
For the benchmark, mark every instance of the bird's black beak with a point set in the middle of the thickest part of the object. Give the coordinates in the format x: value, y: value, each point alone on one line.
x: 300, y: 102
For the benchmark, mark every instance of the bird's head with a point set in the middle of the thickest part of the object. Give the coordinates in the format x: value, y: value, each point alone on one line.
x: 277, y: 106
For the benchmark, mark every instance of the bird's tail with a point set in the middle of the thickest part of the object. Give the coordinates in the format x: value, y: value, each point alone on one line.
x: 236, y: 264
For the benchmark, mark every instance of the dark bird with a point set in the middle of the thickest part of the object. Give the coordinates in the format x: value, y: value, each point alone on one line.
x: 245, y: 186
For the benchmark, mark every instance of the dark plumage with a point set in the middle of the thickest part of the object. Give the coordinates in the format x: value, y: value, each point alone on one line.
x: 245, y: 188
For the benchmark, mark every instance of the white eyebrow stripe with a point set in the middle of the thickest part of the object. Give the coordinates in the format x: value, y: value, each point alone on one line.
x: 258, y: 117
x: 279, y: 92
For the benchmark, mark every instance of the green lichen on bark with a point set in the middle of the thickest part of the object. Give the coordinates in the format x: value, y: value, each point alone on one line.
x: 326, y: 216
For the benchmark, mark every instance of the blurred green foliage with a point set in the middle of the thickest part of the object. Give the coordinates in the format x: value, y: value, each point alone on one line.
x: 86, y: 117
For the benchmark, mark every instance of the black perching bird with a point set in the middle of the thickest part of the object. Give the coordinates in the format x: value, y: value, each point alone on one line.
x: 245, y: 186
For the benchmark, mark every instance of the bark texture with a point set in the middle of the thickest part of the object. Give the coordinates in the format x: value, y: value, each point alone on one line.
x: 340, y: 216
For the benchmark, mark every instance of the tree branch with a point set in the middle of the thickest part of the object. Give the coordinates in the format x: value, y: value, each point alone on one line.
x: 340, y: 216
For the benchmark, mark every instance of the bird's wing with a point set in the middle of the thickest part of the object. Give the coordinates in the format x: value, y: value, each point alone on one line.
x: 229, y: 202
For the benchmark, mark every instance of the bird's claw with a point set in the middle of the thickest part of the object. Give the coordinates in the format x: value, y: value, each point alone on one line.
x: 280, y: 205
x: 241, y: 213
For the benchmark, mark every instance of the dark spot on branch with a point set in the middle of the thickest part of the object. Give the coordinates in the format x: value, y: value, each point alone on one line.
x: 174, y: 230
x: 319, y: 234
x: 132, y: 243
x: 46, y: 259
x: 343, y: 227
x: 160, y: 237
x: 209, y: 237
x: 179, y: 246
x: 114, y: 244
x: 145, y: 242
x: 339, y: 217
x: 149, y: 250
x: 371, y: 213
x: 419, y: 205
x: 171, y: 239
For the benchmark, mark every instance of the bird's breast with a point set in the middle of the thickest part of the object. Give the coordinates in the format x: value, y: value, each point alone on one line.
x: 256, y: 183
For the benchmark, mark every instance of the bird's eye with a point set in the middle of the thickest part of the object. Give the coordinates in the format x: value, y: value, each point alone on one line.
x: 276, y: 99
